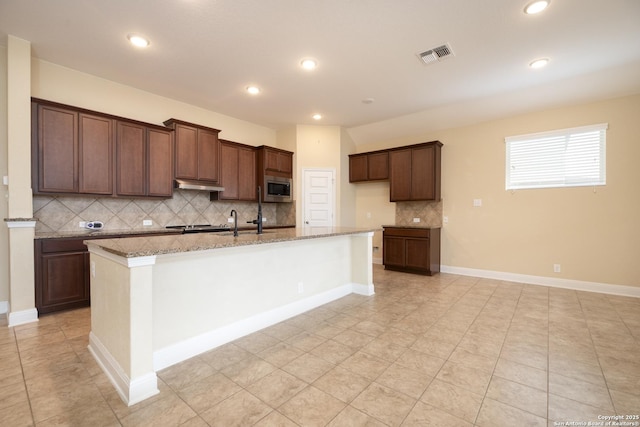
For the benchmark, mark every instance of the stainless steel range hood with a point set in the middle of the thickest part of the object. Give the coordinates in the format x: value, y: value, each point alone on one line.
x: 195, y: 185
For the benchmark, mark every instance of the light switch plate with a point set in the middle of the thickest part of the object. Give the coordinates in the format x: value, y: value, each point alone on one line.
x: 477, y: 202
x: 416, y: 219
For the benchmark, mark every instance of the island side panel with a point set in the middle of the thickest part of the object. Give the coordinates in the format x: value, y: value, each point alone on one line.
x: 121, y: 324
x: 203, y: 300
x: 362, y: 263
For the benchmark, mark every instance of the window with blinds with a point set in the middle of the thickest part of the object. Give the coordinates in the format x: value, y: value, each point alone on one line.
x: 561, y: 158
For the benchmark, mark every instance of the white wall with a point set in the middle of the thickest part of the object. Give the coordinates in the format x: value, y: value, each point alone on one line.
x: 56, y: 83
x: 4, y: 231
x: 593, y: 233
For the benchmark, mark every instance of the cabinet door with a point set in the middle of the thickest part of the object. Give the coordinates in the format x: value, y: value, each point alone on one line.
x: 423, y: 173
x: 96, y: 154
x: 358, y: 168
x: 160, y: 181
x: 417, y: 253
x: 57, y: 150
x: 64, y: 281
x: 286, y: 163
x: 400, y: 175
x: 207, y: 155
x: 186, y: 152
x: 229, y: 172
x: 393, y: 251
x: 247, y: 183
x: 131, y: 159
x: 378, y: 166
x: 271, y: 160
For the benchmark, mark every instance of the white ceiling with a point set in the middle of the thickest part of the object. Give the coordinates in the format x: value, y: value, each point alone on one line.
x: 205, y: 52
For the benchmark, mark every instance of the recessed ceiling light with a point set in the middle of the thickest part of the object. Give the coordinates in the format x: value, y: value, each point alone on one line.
x: 539, y: 63
x: 536, y: 7
x: 317, y: 116
x: 368, y: 101
x: 253, y: 90
x: 138, y: 41
x: 309, y: 64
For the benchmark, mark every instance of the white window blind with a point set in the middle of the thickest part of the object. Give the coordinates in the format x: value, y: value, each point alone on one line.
x: 562, y: 158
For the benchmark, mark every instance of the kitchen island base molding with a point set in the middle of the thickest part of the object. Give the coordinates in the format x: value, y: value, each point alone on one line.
x: 131, y: 392
x: 146, y: 316
x: 189, y: 348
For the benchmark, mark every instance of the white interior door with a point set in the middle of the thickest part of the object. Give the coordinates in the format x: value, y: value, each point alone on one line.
x: 318, y: 197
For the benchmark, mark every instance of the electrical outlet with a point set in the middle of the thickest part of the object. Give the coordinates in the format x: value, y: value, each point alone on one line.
x: 300, y: 287
x: 477, y: 202
x: 147, y: 222
x: 445, y: 219
x: 556, y: 268
x: 368, y: 214
x: 416, y: 219
x: 82, y: 224
x: 230, y: 219
x: 264, y: 219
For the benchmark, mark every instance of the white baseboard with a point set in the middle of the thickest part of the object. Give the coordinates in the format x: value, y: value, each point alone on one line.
x: 191, y: 347
x: 131, y: 392
x: 579, y: 285
x: 4, y: 307
x: 15, y: 318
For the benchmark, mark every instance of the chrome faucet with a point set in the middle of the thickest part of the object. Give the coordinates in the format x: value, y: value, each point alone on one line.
x: 258, y: 221
x: 234, y: 214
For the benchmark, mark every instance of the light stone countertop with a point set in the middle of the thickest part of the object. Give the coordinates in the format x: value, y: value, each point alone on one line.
x: 130, y: 247
x: 111, y: 233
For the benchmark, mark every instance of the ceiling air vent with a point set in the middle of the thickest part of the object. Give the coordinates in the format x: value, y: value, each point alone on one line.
x: 436, y: 54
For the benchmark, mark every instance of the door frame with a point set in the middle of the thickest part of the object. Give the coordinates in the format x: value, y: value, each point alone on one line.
x: 303, y: 193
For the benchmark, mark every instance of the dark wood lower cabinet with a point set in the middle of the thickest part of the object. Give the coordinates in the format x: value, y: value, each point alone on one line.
x: 62, y: 274
x: 412, y: 250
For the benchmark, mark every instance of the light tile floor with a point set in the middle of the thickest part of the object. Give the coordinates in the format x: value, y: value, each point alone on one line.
x: 424, y: 351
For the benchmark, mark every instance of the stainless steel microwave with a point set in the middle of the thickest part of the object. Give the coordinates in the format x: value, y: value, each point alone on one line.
x: 277, y: 189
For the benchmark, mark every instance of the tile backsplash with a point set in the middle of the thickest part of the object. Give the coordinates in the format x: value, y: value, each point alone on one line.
x: 430, y: 213
x: 63, y: 213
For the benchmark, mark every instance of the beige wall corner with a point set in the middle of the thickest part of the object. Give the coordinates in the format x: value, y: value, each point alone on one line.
x: 20, y: 204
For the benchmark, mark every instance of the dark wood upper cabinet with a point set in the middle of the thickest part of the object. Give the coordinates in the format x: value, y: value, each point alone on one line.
x: 144, y: 161
x: 131, y: 154
x: 373, y: 166
x: 414, y: 172
x: 196, y: 151
x: 237, y: 172
x: 160, y: 163
x: 85, y: 152
x: 95, y: 154
x: 275, y: 162
x: 56, y: 149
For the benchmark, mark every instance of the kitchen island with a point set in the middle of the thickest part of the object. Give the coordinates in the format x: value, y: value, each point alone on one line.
x: 157, y: 301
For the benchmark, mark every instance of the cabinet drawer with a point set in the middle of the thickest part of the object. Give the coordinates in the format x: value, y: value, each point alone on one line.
x: 407, y: 232
x: 58, y: 245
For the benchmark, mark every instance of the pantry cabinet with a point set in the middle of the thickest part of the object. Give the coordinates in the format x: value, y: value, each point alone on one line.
x: 412, y: 250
